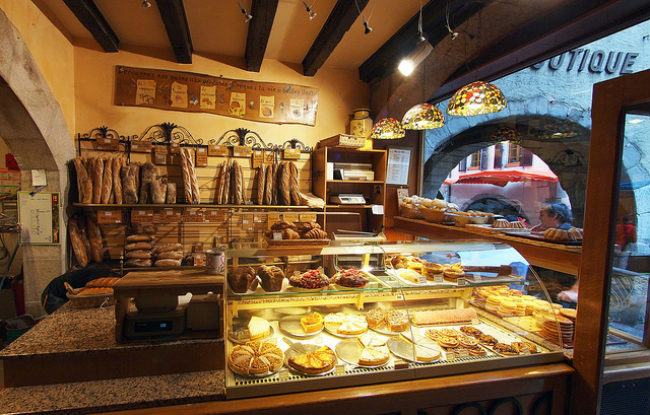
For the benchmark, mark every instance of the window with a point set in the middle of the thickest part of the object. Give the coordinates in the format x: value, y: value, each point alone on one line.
x: 514, y: 156
x: 475, y: 161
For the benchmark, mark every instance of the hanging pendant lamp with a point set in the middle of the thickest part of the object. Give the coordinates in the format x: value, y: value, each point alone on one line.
x: 387, y: 129
x: 423, y: 117
x: 475, y: 99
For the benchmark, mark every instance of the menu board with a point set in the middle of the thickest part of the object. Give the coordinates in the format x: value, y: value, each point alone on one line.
x: 397, y: 171
x: 190, y: 92
x: 38, y: 216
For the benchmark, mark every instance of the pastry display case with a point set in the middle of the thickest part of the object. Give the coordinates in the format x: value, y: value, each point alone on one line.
x: 351, y: 315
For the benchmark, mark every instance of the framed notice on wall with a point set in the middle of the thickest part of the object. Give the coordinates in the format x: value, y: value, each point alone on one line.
x: 397, y: 171
x: 38, y: 216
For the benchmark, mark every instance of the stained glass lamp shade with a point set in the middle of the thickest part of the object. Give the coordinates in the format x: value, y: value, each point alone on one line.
x: 475, y: 99
x: 423, y: 117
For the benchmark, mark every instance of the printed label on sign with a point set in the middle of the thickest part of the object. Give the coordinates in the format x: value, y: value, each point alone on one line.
x: 241, y: 151
x: 461, y: 282
x: 174, y: 148
x: 160, y: 156
x: 377, y: 209
x: 291, y: 217
x: 291, y: 153
x: 140, y: 146
x: 217, y: 150
x: 258, y: 159
x: 168, y: 216
x: 308, y: 217
x: 437, y: 278
x: 277, y: 236
x: 201, y: 157
x: 142, y: 216
x: 269, y: 157
x: 109, y: 216
x: 192, y: 215
x: 107, y: 144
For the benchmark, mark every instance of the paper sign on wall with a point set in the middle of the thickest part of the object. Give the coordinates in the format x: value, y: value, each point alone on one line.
x: 208, y: 97
x: 237, y: 104
x: 267, y: 105
x: 145, y: 92
x: 179, y: 95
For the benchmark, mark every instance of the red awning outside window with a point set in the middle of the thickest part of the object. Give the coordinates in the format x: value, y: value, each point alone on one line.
x: 503, y: 177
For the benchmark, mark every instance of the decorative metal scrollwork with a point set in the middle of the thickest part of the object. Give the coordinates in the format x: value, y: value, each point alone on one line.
x: 242, y: 137
x: 101, y: 132
x: 168, y: 132
x: 295, y: 143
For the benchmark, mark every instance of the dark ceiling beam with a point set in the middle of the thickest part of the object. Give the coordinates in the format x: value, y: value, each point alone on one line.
x: 339, y: 21
x: 259, y: 28
x: 173, y: 16
x: 434, y: 25
x: 552, y: 35
x: 93, y: 20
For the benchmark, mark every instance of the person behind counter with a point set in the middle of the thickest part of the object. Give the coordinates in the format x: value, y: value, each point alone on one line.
x: 554, y: 215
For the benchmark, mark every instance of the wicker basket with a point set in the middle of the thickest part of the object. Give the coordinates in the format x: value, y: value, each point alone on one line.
x: 462, y: 221
x: 90, y: 301
x: 436, y: 215
x: 409, y: 212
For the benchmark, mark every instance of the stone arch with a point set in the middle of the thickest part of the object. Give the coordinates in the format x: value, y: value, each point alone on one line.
x: 566, y: 154
x: 34, y: 129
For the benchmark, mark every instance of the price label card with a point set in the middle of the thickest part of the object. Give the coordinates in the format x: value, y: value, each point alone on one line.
x: 291, y: 217
x: 438, y: 278
x: 174, y: 148
x: 291, y: 153
x: 377, y: 209
x: 141, y: 216
x: 107, y: 143
x: 461, y: 282
x: 241, y: 151
x: 160, y: 155
x: 308, y: 217
x: 217, y: 150
x: 272, y: 218
x: 168, y: 216
x: 258, y: 218
x: 258, y: 158
x: 277, y: 236
x: 269, y: 157
x: 192, y: 216
x: 201, y: 157
x: 399, y: 297
x: 109, y: 216
x: 141, y: 146
x: 214, y: 215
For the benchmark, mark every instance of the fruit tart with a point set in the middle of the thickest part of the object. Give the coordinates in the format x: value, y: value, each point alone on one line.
x: 352, y: 278
x: 312, y: 279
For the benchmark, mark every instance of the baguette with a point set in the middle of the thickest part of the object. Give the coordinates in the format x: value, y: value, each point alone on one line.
x: 284, y: 176
x: 242, y: 188
x: 84, y: 182
x: 226, y: 182
x: 268, y: 185
x: 217, y: 184
x: 107, y: 181
x: 78, y: 247
x: 189, y: 176
x: 95, y: 238
x: 260, y: 179
x: 294, y: 184
x: 274, y: 184
x: 103, y: 282
x: 129, y: 188
x: 118, y: 162
x: 134, y: 246
x: 187, y: 181
x: 236, y: 183
x: 97, y: 174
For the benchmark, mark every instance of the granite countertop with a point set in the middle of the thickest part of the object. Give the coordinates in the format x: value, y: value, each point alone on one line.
x: 70, y: 330
x: 114, y: 394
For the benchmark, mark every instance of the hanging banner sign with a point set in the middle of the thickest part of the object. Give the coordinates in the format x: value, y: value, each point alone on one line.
x: 268, y: 102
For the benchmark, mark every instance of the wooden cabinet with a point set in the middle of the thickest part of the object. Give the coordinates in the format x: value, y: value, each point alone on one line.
x: 350, y: 216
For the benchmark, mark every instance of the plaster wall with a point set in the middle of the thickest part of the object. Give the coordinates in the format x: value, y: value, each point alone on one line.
x: 340, y: 91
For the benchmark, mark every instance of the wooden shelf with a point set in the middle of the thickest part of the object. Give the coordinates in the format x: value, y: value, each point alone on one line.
x: 185, y: 206
x: 357, y: 181
x: 557, y: 257
x: 349, y: 206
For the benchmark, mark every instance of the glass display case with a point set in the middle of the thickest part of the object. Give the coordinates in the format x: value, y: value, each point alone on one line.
x: 351, y: 315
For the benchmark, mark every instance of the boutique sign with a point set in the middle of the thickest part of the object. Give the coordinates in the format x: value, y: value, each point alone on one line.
x: 594, y: 61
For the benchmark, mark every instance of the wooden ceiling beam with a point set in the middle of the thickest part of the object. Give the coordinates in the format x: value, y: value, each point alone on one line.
x: 259, y: 28
x: 434, y: 25
x: 89, y: 15
x: 173, y: 16
x: 339, y: 21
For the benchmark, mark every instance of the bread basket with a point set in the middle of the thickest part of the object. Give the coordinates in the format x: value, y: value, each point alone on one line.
x: 462, y: 221
x: 87, y: 301
x: 436, y: 215
x: 410, y: 212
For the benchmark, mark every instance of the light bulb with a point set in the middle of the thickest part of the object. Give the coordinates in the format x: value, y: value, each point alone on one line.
x: 406, y: 67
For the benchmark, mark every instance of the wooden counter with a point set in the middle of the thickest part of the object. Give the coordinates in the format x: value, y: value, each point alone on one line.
x: 557, y: 257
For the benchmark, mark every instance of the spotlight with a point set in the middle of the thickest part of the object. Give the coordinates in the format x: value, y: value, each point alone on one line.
x: 408, y: 64
x: 146, y: 4
x: 367, y: 29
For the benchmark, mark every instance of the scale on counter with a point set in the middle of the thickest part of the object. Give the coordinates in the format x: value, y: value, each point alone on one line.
x: 138, y: 325
x: 348, y: 199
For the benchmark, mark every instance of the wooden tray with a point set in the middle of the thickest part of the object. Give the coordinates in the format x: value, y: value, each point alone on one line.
x: 540, y: 238
x: 298, y: 242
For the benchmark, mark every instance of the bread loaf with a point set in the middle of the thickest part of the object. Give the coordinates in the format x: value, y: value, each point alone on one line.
x: 290, y: 234
x: 315, y: 234
x: 237, y: 183
x: 294, y: 184
x: 268, y: 185
x: 167, y: 247
x: 134, y: 246
x: 158, y: 191
x: 143, y: 228
x: 129, y: 186
x: 259, y: 184
x: 78, y: 246
x: 170, y: 255
x: 274, y: 184
x: 139, y: 254
x: 139, y: 238
x: 170, y: 196
x: 95, y: 238
x: 103, y: 282
x: 145, y: 192
x: 217, y: 183
x: 187, y: 180
x: 167, y: 263
x: 84, y: 235
x: 138, y: 263
x: 84, y: 182
x: 97, y: 175
x: 118, y: 162
x: 107, y: 181
x: 242, y: 188
x: 226, y: 183
x: 284, y: 193
x: 148, y: 175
